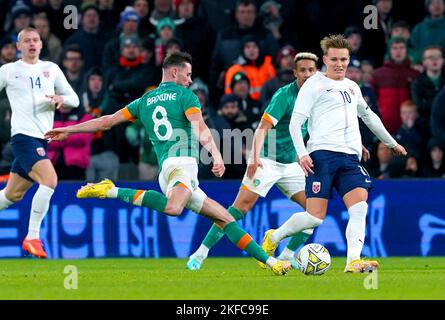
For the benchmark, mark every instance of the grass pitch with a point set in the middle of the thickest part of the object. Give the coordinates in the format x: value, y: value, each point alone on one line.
x: 220, y: 279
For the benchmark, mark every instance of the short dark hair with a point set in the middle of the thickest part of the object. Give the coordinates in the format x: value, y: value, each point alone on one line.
x: 177, y: 59
x: 72, y: 48
x: 245, y: 3
x: 400, y: 24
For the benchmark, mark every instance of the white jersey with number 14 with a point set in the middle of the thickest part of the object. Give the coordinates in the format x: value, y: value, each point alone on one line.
x: 27, y: 86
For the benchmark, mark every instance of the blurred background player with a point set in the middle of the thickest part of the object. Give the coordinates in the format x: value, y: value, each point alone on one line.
x: 35, y: 89
x: 272, y: 161
x: 332, y: 103
x: 172, y: 116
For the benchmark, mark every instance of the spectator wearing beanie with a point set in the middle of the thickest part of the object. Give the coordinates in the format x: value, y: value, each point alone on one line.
x: 258, y: 67
x: 240, y: 86
x: 392, y: 83
x: 128, y: 26
x: 8, y: 50
x: 435, y: 167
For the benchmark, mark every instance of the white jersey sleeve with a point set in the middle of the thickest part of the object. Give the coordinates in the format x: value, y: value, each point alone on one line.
x: 63, y: 88
x: 2, y: 78
x: 374, y: 123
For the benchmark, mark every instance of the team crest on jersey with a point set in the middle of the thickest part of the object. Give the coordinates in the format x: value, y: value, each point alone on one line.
x: 46, y: 74
x: 316, y: 187
x: 352, y: 91
x: 41, y: 152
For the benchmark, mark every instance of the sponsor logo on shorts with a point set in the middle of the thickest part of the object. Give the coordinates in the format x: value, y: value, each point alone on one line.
x: 193, y: 185
x: 316, y: 186
x: 256, y: 182
x: 41, y: 152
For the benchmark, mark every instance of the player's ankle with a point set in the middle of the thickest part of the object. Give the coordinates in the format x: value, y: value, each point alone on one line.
x: 112, y: 193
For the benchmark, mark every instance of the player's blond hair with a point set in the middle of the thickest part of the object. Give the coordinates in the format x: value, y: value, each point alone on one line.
x: 335, y: 41
x: 305, y: 56
x: 27, y: 29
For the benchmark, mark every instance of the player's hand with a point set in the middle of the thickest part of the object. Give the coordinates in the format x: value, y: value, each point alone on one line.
x: 365, y: 154
x: 399, y: 150
x: 252, y: 167
x: 56, y: 100
x: 218, y: 169
x: 306, y: 164
x: 58, y: 134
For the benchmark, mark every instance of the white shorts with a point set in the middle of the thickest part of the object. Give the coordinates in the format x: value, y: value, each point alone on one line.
x: 184, y: 170
x: 289, y: 178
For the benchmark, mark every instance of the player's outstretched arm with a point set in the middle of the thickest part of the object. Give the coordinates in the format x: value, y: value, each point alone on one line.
x: 100, y: 124
x: 374, y: 123
x: 206, y: 140
x: 257, y: 145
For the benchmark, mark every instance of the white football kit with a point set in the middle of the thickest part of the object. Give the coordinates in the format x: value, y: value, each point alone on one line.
x: 27, y: 86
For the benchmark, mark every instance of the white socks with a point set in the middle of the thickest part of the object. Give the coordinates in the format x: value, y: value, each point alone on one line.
x: 202, y: 253
x: 39, y: 208
x: 4, y: 202
x: 297, y: 222
x: 112, y: 193
x: 355, y: 231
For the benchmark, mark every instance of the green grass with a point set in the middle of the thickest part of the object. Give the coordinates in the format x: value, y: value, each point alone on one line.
x: 220, y: 278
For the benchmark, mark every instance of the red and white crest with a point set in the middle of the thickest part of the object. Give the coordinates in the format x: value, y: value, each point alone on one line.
x: 41, y: 152
x: 352, y: 91
x: 316, y: 186
x: 46, y: 74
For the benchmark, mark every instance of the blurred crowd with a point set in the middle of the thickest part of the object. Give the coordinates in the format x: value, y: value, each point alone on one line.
x: 243, y: 52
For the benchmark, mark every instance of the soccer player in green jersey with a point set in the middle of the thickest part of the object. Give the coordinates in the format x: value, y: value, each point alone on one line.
x: 171, y: 114
x: 273, y: 160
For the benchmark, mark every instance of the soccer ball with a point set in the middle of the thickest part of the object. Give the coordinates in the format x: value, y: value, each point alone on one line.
x: 314, y: 259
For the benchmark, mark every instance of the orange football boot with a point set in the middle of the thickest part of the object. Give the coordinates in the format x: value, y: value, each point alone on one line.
x: 34, y: 247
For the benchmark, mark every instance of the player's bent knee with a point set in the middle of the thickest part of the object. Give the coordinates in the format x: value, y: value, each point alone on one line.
x: 173, y: 210
x: 15, y: 196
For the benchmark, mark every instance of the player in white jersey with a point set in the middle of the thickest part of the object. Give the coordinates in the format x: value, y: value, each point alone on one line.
x: 35, y: 89
x: 331, y: 103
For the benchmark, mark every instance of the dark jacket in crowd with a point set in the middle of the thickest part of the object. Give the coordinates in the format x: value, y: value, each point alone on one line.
x: 438, y: 117
x: 423, y: 92
x: 92, y: 45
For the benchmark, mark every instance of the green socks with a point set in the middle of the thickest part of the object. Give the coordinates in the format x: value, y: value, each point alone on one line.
x: 244, y: 241
x: 150, y: 199
x: 297, y: 240
x: 215, y: 234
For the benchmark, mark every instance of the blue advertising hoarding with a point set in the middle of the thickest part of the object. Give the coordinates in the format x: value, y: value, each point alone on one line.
x: 405, y: 218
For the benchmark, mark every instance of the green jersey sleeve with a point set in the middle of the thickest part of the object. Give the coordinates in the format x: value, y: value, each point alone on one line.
x: 190, y: 102
x: 133, y: 108
x: 276, y: 108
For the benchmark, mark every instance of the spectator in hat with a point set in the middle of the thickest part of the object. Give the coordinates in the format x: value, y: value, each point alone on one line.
x: 128, y: 26
x: 355, y: 73
x: 21, y: 18
x: 165, y: 29
x: 127, y: 81
x: 431, y: 30
x: 52, y: 46
x: 270, y: 14
x: 426, y: 86
x: 237, y: 121
x: 285, y: 74
x: 196, y: 36
x: 240, y: 87
x: 392, y: 83
x: 229, y: 42
x: 8, y: 50
x: 435, y: 167
x: 255, y: 64
x: 89, y: 37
